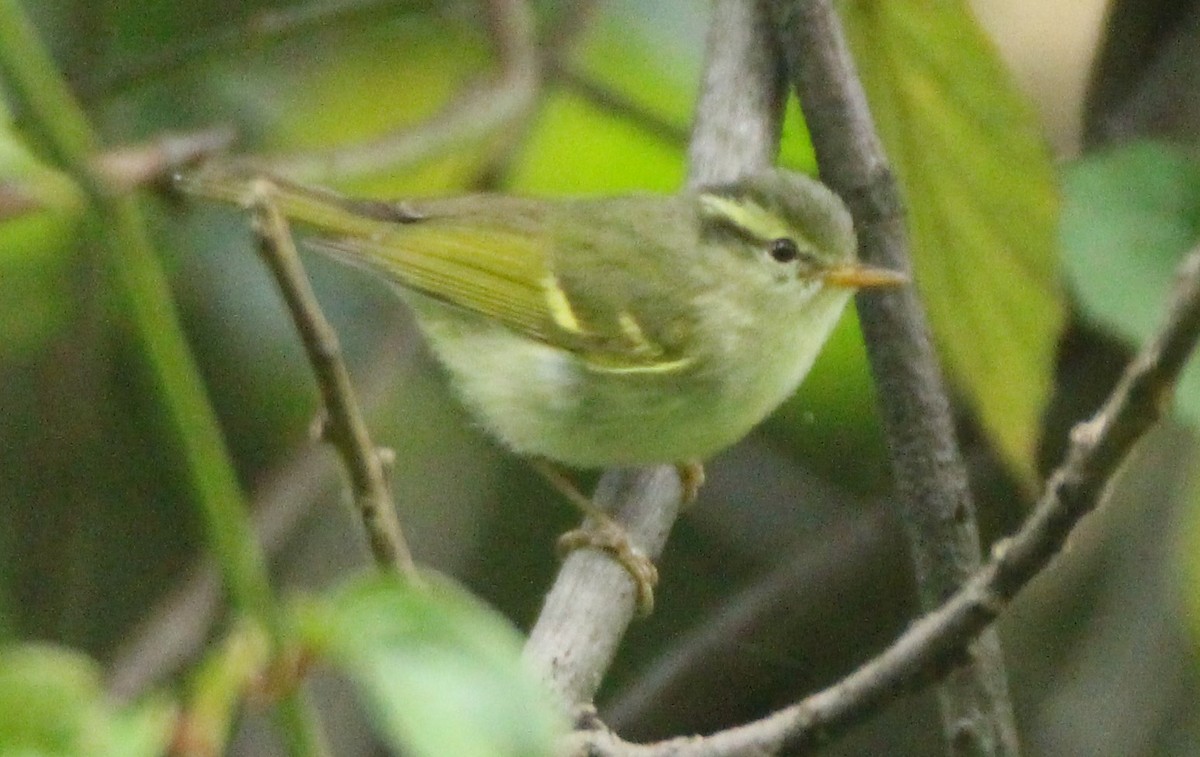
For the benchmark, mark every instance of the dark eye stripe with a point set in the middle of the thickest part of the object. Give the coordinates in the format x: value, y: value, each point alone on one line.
x: 786, y: 250
x: 751, y: 223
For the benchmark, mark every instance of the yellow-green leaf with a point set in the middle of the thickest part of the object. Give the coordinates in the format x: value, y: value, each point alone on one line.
x: 982, y: 205
x: 440, y: 671
x: 52, y: 702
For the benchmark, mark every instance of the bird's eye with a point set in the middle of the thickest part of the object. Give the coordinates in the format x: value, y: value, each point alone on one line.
x: 784, y: 250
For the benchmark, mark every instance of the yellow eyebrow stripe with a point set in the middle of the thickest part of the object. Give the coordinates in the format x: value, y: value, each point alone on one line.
x: 746, y: 216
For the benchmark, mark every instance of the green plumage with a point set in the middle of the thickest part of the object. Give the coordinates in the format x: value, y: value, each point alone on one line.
x: 609, y: 331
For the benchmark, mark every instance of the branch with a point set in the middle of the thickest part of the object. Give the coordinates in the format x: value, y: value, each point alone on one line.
x: 343, y: 426
x: 591, y: 603
x: 930, y: 477
x: 608, y: 99
x: 474, y: 114
x: 860, y: 554
x: 123, y: 169
x: 593, y: 598
x: 156, y: 161
x: 938, y: 643
x: 740, y: 110
x: 176, y: 629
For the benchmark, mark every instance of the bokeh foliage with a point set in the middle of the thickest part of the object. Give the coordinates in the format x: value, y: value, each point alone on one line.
x: 982, y: 203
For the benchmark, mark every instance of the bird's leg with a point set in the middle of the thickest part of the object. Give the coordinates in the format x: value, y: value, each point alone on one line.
x: 691, y: 478
x: 601, y: 531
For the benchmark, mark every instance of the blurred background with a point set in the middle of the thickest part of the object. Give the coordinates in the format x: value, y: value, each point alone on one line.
x: 791, y: 568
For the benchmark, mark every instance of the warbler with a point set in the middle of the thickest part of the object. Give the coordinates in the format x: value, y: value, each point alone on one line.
x: 609, y: 331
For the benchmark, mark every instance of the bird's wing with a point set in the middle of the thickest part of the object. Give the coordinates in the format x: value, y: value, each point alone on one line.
x: 498, y: 266
x: 491, y: 256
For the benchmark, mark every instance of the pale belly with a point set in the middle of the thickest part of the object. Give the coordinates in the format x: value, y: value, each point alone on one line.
x: 541, y: 401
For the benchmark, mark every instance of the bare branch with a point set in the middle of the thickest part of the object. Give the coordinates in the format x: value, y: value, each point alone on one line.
x: 593, y: 598
x: 740, y: 110
x: 930, y: 477
x: 344, y: 426
x: 126, y: 168
x: 938, y: 643
x: 862, y: 553
x: 123, y: 169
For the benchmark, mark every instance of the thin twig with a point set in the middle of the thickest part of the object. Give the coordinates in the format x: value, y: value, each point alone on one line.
x: 477, y: 112
x: 860, y: 554
x: 591, y: 604
x: 156, y: 161
x: 343, y: 424
x: 175, y: 631
x: 938, y: 643
x: 616, y: 103
x: 123, y: 169
x: 930, y: 477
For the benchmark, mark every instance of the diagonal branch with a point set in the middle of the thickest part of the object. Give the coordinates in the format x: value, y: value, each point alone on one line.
x: 740, y: 111
x: 342, y: 423
x: 936, y: 644
x: 930, y: 477
x: 173, y: 633
x: 475, y: 113
x: 613, y: 102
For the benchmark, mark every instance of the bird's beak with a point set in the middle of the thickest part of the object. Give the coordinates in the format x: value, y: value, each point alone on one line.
x: 859, y: 276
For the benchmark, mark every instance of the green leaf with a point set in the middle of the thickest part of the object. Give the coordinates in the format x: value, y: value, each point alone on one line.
x: 440, y: 671
x: 982, y: 205
x: 52, y: 703
x: 1130, y: 215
